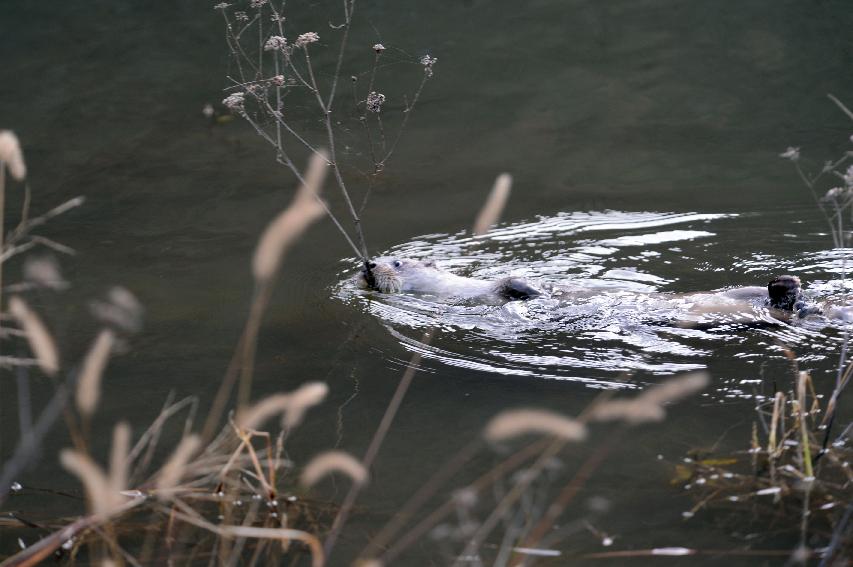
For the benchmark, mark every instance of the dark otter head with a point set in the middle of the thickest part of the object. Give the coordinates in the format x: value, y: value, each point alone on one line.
x: 784, y: 292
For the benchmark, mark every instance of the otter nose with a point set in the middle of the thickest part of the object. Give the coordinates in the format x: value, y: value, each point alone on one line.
x: 372, y: 265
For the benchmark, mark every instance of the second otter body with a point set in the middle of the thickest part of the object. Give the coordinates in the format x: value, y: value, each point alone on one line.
x: 406, y: 275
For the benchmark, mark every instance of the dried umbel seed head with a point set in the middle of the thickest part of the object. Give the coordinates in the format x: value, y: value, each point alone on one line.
x: 378, y: 48
x: 278, y: 80
x: 235, y: 101
x: 241, y: 16
x: 306, y: 38
x: 791, y: 153
x: 257, y: 3
x: 375, y: 101
x: 275, y: 43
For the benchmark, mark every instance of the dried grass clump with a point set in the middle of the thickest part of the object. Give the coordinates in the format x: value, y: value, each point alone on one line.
x: 514, y: 423
x: 40, y: 340
x: 789, y: 475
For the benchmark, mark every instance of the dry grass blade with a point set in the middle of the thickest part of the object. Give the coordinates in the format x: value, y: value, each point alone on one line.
x: 89, y: 384
x: 40, y: 340
x: 513, y: 423
x: 333, y: 461
x: 291, y: 223
x: 10, y: 154
x: 494, y: 206
x: 172, y: 472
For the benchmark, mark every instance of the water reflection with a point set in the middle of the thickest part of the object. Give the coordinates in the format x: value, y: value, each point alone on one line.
x: 613, y: 307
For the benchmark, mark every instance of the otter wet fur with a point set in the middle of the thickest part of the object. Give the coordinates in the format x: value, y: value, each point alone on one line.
x: 406, y: 275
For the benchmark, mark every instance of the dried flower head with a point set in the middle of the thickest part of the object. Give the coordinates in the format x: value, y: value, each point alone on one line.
x: 278, y: 80
x: 235, y: 101
x: 10, y: 154
x: 791, y: 153
x: 275, y: 43
x: 257, y: 3
x: 375, y: 101
x: 241, y: 16
x: 306, y: 38
x: 221, y: 6
x: 378, y: 47
x: 428, y: 62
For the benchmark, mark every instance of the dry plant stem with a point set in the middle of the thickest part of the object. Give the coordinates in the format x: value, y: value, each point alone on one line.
x: 44, y: 548
x: 30, y: 446
x: 375, y: 444
x: 408, y: 112
x: 231, y: 532
x: 413, y: 535
x: 571, y: 490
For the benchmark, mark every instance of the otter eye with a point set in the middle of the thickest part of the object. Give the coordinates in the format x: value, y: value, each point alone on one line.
x: 397, y: 263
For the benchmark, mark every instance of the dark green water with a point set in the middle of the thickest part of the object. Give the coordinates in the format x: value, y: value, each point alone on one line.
x: 655, y: 106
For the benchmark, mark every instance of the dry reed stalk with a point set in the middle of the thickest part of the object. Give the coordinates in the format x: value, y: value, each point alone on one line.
x: 11, y: 155
x: 513, y: 423
x: 119, y: 463
x: 805, y: 443
x: 292, y: 222
x: 89, y: 385
x: 172, y: 472
x: 494, y: 205
x: 41, y: 342
x: 333, y: 461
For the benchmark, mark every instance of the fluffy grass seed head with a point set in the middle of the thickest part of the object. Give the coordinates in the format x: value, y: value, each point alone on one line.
x: 291, y: 223
x: 514, y: 423
x: 333, y: 461
x: 89, y: 384
x: 291, y: 406
x: 41, y: 342
x: 494, y: 205
x: 174, y: 469
x: 11, y: 155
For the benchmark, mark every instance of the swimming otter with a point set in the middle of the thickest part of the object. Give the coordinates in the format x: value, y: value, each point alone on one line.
x: 392, y: 275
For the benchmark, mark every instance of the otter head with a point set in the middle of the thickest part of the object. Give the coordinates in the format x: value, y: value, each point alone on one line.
x: 784, y: 292
x: 390, y: 274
